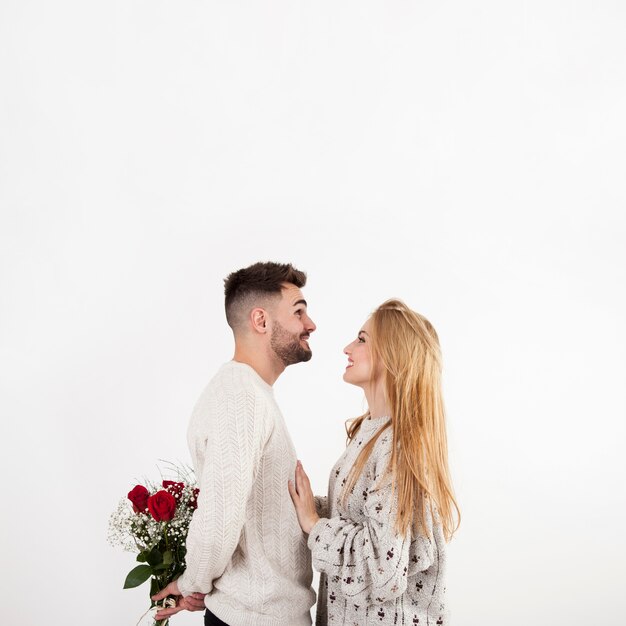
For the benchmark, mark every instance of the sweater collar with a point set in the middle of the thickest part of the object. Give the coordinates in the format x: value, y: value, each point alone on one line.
x: 374, y: 423
x: 249, y: 368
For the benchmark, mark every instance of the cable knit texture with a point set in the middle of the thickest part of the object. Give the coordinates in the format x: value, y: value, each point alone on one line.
x: 370, y: 574
x: 245, y: 547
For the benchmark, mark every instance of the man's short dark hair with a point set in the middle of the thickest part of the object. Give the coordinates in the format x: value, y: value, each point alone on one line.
x: 254, y: 285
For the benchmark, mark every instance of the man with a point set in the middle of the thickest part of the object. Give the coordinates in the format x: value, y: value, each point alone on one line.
x: 245, y: 548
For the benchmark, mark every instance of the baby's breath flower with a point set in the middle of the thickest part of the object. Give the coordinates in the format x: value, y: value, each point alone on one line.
x: 139, y: 532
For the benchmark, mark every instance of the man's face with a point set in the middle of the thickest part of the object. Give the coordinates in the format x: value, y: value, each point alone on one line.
x: 291, y: 327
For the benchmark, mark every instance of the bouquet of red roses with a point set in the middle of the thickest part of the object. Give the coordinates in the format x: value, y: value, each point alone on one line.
x: 153, y: 521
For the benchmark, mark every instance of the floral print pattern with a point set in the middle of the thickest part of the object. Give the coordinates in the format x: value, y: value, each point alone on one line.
x: 370, y: 574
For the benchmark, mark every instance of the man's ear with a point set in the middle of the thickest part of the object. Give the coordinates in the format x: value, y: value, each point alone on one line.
x: 258, y: 318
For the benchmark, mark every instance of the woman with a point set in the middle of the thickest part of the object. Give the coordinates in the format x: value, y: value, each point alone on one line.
x: 379, y: 537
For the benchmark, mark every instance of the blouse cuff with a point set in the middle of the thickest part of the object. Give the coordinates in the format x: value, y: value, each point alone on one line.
x: 315, y: 531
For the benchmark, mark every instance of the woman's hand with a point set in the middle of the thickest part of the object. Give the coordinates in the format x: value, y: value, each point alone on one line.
x: 303, y: 500
x: 193, y: 602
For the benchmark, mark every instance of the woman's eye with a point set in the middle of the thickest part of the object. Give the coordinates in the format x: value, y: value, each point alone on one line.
x: 360, y: 339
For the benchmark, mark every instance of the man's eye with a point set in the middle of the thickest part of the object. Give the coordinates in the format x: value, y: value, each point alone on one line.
x: 298, y: 312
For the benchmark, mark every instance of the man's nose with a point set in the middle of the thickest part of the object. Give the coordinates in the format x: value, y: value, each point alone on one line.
x: 311, y: 325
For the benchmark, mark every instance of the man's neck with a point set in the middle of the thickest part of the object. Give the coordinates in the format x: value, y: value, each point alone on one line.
x: 269, y: 369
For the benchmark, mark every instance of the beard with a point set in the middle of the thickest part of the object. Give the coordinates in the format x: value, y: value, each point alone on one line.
x: 287, y: 346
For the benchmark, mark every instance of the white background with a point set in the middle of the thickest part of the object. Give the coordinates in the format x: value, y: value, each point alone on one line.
x: 466, y: 157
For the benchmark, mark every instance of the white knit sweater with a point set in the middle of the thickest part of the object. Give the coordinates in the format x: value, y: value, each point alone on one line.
x: 245, y: 547
x: 369, y: 573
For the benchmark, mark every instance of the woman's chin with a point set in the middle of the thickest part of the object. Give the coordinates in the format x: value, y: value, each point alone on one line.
x: 348, y: 379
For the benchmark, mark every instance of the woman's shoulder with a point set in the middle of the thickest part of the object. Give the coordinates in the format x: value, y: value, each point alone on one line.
x: 377, y: 464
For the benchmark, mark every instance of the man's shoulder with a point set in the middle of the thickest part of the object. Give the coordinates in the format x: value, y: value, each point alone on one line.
x: 233, y: 376
x: 234, y: 388
x: 235, y: 380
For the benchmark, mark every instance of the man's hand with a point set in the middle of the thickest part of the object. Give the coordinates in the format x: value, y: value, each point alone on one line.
x: 193, y: 602
x: 303, y: 499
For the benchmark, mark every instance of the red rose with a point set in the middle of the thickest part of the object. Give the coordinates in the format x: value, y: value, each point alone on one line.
x: 139, y: 497
x: 176, y: 489
x: 162, y: 506
x: 193, y: 501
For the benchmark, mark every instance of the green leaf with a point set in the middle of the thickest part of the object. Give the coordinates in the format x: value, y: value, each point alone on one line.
x: 142, y: 557
x: 137, y: 576
x: 155, y: 557
x: 168, y: 558
x: 161, y: 567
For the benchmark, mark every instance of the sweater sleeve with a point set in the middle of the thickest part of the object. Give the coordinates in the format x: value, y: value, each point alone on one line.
x: 368, y: 559
x: 232, y: 453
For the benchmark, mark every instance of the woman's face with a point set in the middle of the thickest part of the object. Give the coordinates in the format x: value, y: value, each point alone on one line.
x: 359, y: 369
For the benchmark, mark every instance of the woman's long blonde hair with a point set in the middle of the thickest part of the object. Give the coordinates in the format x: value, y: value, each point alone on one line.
x: 406, y: 346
